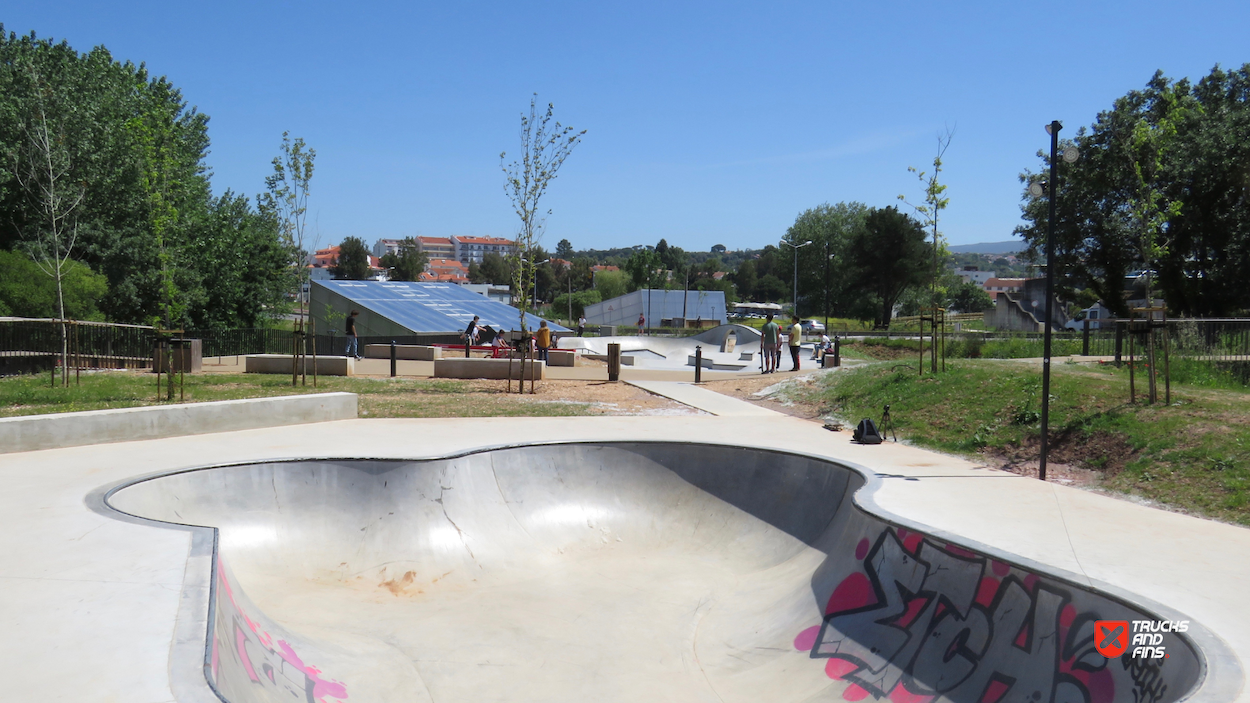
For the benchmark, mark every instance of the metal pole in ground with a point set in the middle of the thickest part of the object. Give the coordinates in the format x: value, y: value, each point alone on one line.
x: 1053, y: 129
x: 698, y: 363
x: 393, y: 359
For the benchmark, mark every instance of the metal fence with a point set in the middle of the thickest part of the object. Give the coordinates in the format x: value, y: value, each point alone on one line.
x: 32, y: 345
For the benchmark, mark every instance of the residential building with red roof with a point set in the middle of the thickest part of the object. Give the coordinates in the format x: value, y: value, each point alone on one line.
x: 436, y: 247
x: 471, y: 250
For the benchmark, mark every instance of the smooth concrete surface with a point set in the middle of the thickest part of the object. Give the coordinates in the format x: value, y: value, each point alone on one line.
x: 490, y: 368
x: 415, y: 576
x: 281, y: 363
x: 656, y: 352
x: 34, y: 432
x: 80, y: 586
x: 412, y: 352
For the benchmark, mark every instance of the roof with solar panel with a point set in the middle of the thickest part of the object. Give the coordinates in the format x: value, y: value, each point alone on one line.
x: 430, y: 307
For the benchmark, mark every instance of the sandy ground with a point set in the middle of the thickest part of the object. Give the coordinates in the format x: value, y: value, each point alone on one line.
x: 606, y: 398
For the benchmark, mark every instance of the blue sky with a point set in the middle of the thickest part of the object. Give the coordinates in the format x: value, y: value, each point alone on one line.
x: 709, y: 122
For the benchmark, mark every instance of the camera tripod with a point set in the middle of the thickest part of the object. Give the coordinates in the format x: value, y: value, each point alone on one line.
x: 886, y: 425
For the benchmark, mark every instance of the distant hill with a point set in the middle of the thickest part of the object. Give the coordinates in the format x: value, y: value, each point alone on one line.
x: 1009, y: 247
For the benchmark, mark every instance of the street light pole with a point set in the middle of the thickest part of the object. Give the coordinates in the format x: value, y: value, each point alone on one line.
x: 1053, y: 129
x: 796, y: 248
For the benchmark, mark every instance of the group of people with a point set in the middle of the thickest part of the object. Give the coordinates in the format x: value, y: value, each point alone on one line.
x: 770, y: 342
x: 540, y: 343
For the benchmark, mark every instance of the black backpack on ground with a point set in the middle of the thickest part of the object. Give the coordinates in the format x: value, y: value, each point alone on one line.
x: 866, y: 432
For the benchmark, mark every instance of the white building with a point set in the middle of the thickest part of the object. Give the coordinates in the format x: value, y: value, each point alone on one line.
x: 470, y: 250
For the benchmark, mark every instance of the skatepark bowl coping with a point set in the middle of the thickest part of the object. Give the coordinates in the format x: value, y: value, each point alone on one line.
x: 618, y: 572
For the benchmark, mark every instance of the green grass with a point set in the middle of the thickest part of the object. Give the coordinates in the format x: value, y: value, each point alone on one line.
x: 385, y: 397
x: 1193, y: 454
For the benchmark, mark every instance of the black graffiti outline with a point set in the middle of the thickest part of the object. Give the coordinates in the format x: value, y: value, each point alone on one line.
x: 910, y: 583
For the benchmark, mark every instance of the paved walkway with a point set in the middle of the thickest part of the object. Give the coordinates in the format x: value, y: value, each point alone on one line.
x: 90, y: 602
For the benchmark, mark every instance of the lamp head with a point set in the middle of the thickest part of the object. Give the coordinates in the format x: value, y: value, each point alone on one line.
x: 1054, y: 127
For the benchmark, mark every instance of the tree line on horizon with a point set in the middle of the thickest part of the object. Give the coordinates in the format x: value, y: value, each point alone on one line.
x: 120, y: 221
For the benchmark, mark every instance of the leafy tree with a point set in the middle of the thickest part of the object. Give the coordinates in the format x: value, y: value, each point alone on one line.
x: 933, y: 205
x: 544, y: 148
x: 1160, y: 185
x: 353, y: 260
x: 248, y: 269
x: 642, y: 267
x: 770, y: 289
x: 133, y: 140
x: 612, y: 284
x: 409, y: 262
x: 26, y: 292
x: 580, y: 299
x: 44, y: 171
x: 564, y: 250
x: 967, y: 296
x: 887, y: 256
x: 821, y: 264
x: 495, y: 269
x: 745, y: 279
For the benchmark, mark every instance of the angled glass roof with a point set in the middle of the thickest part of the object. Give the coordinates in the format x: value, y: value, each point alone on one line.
x: 431, y: 307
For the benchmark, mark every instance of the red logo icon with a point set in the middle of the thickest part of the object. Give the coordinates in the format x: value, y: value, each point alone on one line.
x: 1111, y: 637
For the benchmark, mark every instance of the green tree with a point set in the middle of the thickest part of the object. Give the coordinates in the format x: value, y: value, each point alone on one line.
x: 746, y: 280
x: 770, y: 289
x: 967, y: 296
x: 495, y: 269
x: 409, y: 262
x: 934, y: 204
x: 26, y: 292
x: 887, y: 256
x: 564, y: 250
x: 611, y: 284
x: 130, y: 137
x: 643, y: 266
x: 544, y: 148
x: 43, y: 171
x: 1186, y: 216
x: 353, y: 260
x: 821, y: 276
x: 246, y: 269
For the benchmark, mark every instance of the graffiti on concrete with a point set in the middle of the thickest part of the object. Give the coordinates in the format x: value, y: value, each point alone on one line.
x: 244, y: 656
x: 920, y: 621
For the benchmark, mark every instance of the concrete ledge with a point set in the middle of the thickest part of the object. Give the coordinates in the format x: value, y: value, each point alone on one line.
x: 562, y: 357
x: 281, y: 363
x: 488, y: 368
x: 30, y: 433
x: 410, y: 352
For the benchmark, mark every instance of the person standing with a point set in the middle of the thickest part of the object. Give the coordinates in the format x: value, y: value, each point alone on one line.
x: 470, y: 335
x: 353, y: 342
x: 768, y: 344
x: 543, y: 338
x: 796, y: 341
x: 581, y: 325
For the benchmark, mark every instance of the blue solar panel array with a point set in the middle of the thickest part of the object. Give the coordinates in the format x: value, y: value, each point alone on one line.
x: 431, y: 307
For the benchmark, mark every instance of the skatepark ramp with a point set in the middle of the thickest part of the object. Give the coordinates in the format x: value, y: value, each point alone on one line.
x: 679, y: 352
x: 623, y: 572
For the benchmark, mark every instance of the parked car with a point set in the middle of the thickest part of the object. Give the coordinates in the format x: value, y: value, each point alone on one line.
x: 812, y: 326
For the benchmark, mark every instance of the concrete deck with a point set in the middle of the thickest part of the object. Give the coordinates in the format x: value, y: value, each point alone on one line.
x: 92, y: 603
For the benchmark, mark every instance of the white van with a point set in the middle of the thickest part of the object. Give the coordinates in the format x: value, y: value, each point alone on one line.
x: 1094, y: 314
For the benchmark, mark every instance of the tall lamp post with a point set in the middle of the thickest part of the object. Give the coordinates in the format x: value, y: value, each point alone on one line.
x: 796, y: 248
x: 1051, y: 190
